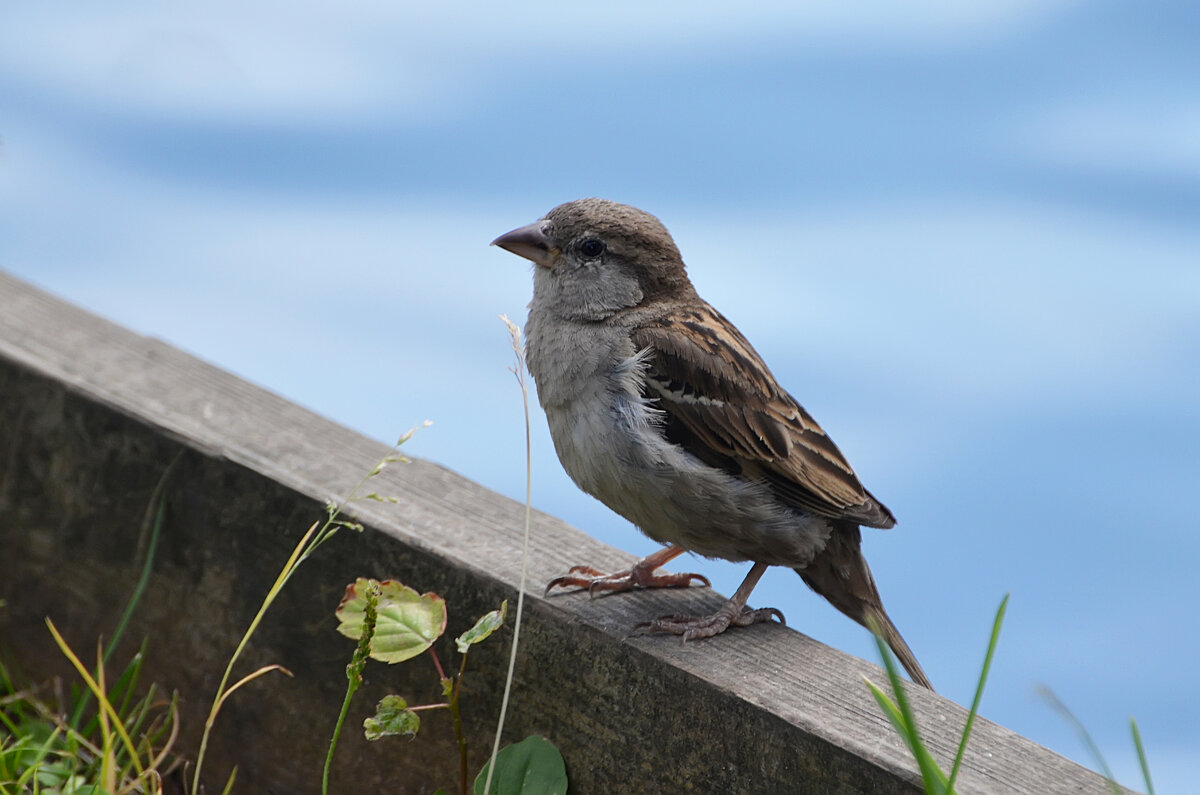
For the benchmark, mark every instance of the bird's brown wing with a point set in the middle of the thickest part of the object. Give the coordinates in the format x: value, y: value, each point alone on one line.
x: 723, y: 405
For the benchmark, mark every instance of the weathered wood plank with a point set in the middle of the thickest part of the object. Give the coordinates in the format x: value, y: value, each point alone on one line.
x: 92, y: 414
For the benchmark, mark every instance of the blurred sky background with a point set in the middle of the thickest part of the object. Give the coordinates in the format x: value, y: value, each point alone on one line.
x: 965, y: 235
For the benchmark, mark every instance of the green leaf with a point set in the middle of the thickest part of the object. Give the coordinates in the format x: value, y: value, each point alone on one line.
x: 531, y: 767
x: 392, y: 717
x: 486, y: 625
x: 408, y: 623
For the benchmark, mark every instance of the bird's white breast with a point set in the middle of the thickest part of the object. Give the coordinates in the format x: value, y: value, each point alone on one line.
x: 608, y: 437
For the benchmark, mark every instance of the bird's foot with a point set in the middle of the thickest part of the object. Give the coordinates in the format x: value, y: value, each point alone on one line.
x: 644, y: 574
x: 696, y: 627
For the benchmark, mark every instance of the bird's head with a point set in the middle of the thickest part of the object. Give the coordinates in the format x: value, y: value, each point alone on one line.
x: 596, y: 257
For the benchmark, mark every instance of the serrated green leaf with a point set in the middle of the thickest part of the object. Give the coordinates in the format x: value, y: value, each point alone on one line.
x: 485, y: 626
x: 407, y: 624
x: 392, y: 717
x: 531, y: 767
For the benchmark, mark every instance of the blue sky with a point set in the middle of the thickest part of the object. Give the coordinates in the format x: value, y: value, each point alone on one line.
x: 964, y: 235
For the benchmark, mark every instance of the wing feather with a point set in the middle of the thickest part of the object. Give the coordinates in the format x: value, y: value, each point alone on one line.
x: 723, y: 404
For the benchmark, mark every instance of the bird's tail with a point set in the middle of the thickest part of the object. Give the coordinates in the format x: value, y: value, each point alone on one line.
x: 841, y: 575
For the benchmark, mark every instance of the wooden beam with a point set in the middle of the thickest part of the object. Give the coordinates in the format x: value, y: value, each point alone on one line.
x: 92, y: 415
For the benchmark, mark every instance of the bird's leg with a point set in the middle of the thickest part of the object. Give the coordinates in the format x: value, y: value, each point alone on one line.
x: 643, y: 574
x: 732, y: 613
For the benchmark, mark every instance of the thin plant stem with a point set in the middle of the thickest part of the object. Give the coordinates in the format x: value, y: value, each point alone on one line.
x: 450, y: 688
x: 354, y: 670
x: 250, y: 677
x: 519, y: 371
x: 157, y: 761
x: 284, y: 575
x: 437, y: 663
x: 351, y: 689
x: 108, y: 773
x: 453, y: 696
x: 456, y: 717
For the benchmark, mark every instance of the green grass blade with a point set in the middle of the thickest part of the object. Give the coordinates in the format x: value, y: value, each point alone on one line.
x: 139, y: 589
x: 901, y: 715
x: 1084, y: 735
x: 983, y: 676
x: 147, y: 567
x: 889, y: 708
x: 126, y: 685
x: 1141, y: 754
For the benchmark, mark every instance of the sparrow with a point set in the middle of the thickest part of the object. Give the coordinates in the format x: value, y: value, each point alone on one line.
x: 663, y: 411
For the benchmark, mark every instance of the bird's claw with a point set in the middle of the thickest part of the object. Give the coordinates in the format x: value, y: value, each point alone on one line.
x: 697, y: 627
x: 635, y: 578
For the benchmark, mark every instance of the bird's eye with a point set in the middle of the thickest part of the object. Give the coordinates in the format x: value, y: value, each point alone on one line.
x: 591, y: 248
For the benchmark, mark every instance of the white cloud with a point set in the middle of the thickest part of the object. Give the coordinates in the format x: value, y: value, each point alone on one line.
x: 251, y: 59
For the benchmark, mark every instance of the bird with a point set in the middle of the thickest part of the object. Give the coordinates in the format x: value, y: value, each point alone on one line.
x: 660, y: 408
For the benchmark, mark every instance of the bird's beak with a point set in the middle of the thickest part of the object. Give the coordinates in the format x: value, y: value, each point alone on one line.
x: 529, y: 242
